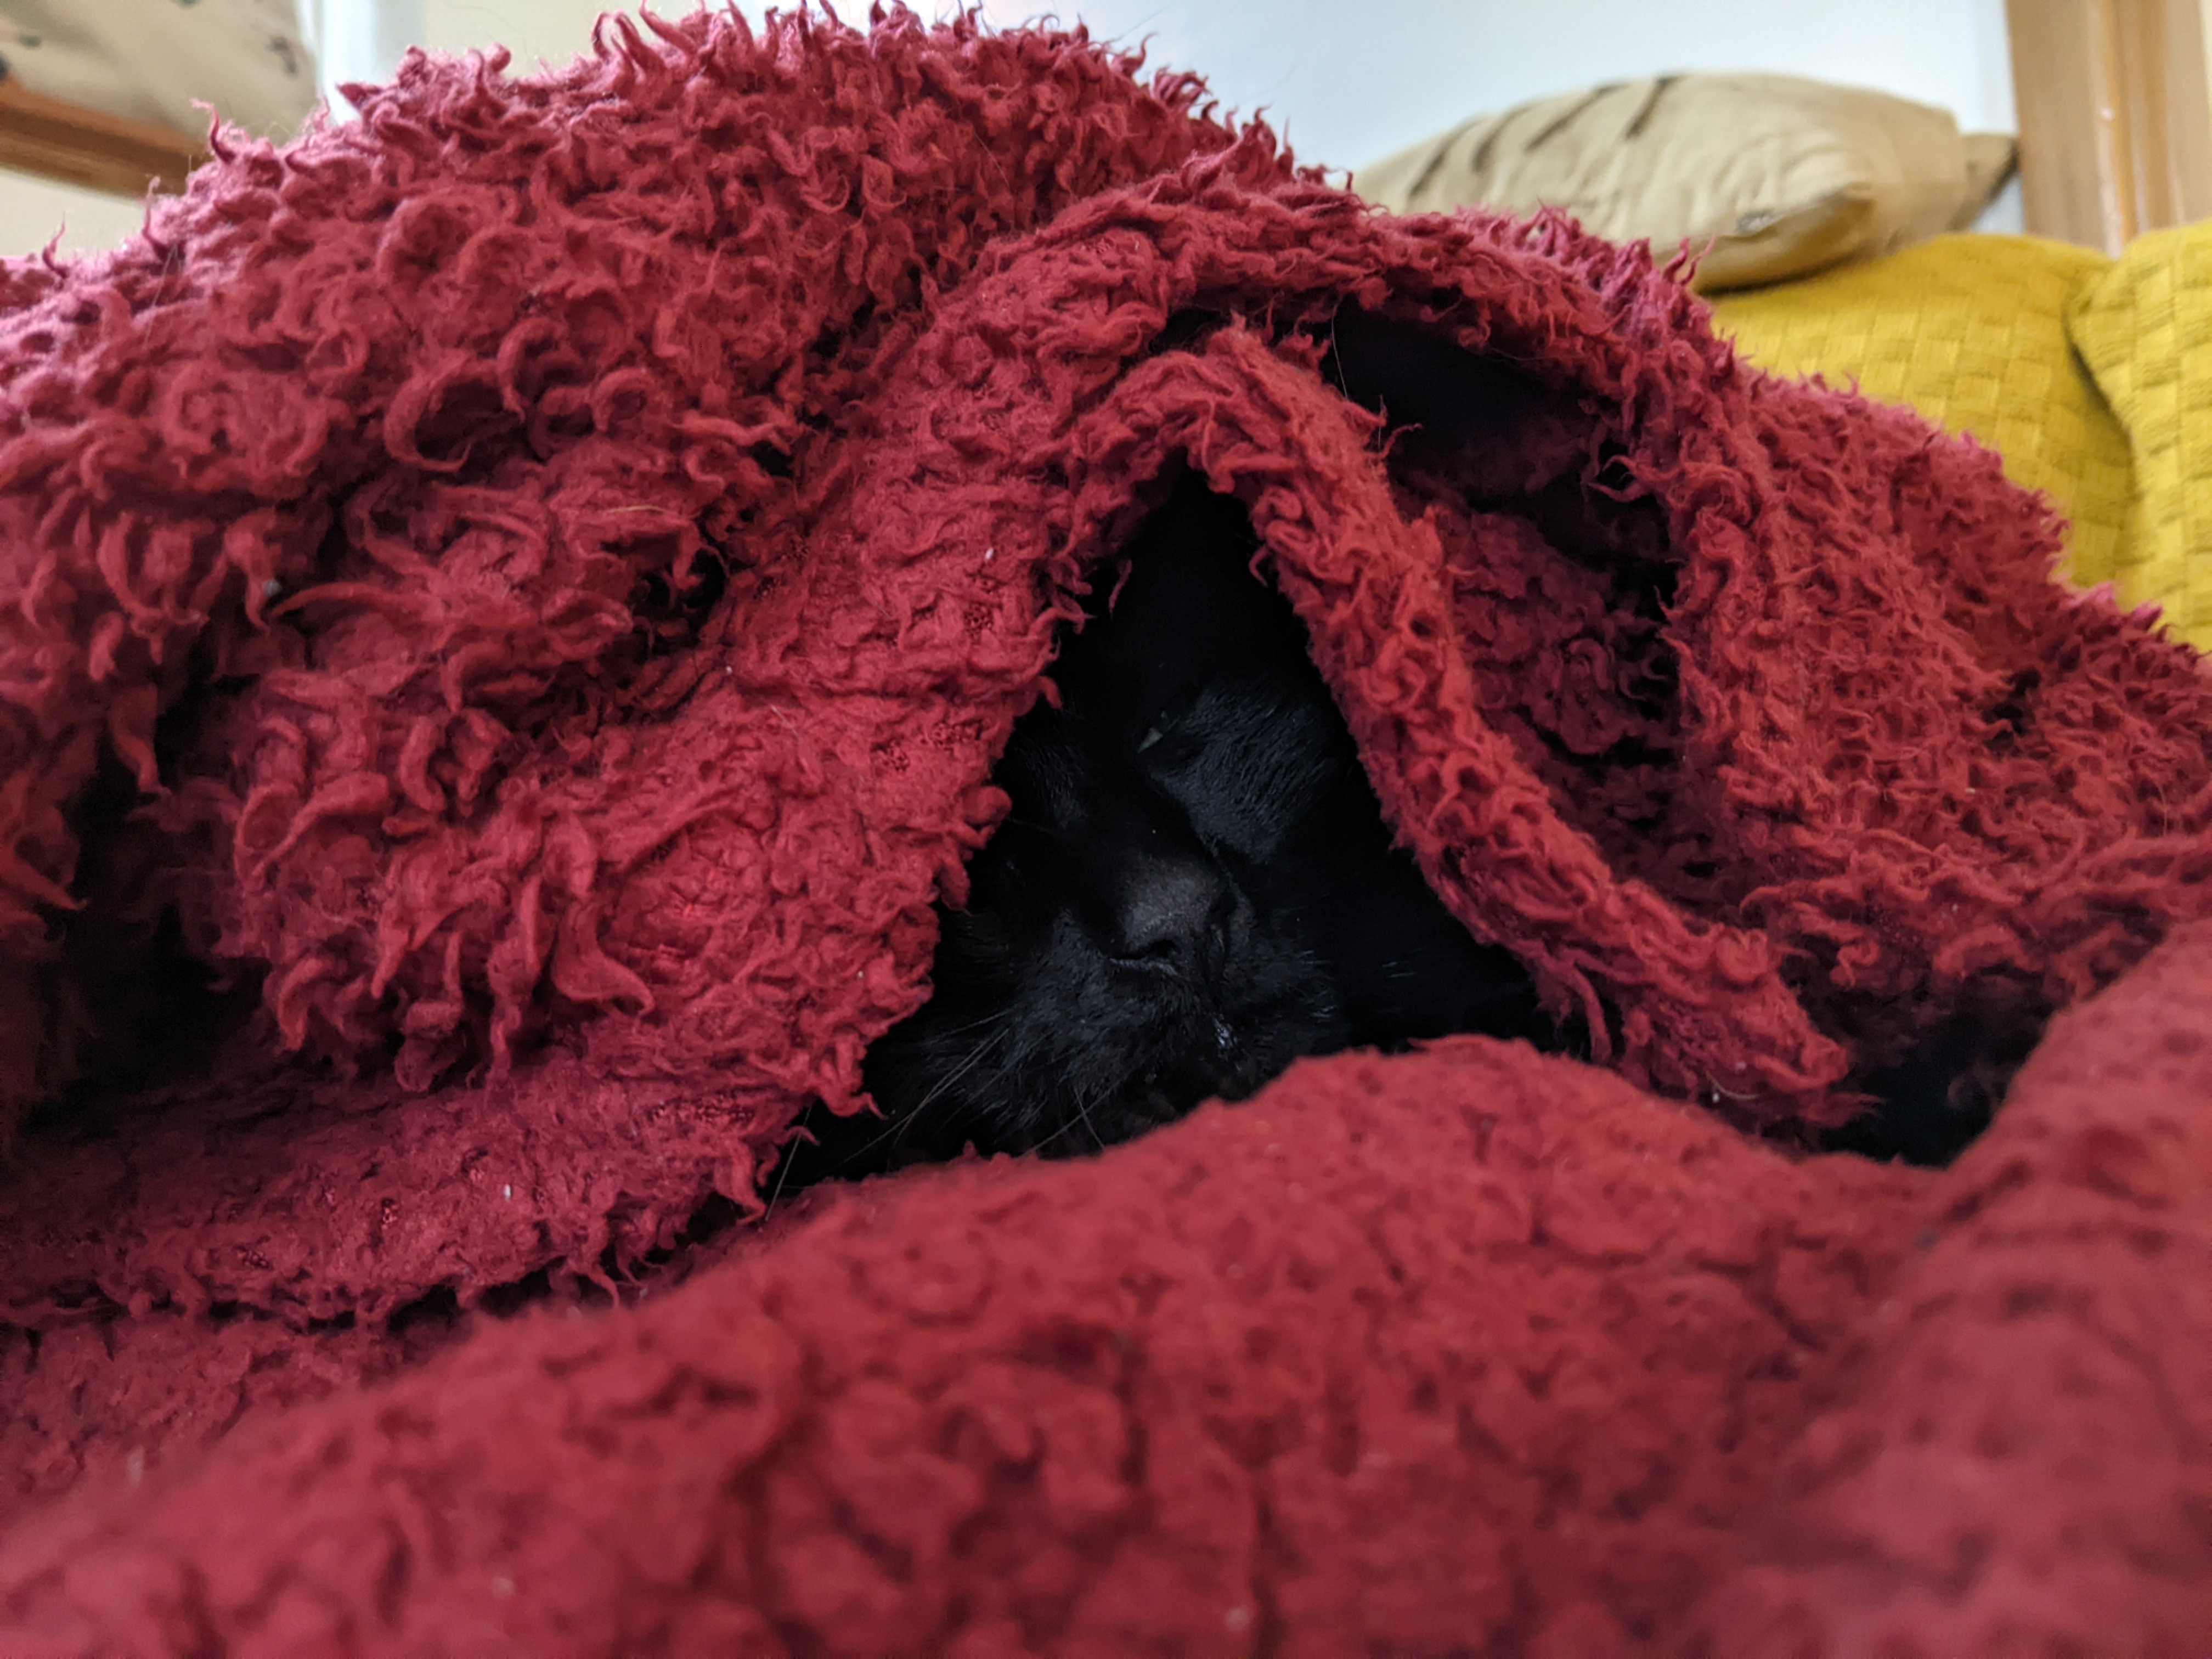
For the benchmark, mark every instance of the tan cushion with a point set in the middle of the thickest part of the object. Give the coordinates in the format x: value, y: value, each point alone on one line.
x: 1773, y: 175
x: 152, y: 60
x: 1991, y: 159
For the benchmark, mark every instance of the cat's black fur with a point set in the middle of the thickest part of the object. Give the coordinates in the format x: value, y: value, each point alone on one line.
x: 1194, y: 887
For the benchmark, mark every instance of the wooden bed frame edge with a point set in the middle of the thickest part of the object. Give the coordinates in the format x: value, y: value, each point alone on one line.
x: 2114, y: 106
x: 90, y: 147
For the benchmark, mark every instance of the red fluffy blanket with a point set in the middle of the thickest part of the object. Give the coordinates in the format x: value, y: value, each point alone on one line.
x: 529, y: 586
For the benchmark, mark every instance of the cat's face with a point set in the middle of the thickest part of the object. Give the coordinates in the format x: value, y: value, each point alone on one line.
x: 1119, y: 960
x: 1124, y: 952
x: 1194, y: 887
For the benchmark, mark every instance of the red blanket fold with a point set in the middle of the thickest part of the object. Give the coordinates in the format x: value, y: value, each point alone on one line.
x: 545, y: 572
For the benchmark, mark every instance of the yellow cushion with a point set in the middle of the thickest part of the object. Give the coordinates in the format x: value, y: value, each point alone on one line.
x: 2144, y: 327
x: 1971, y: 330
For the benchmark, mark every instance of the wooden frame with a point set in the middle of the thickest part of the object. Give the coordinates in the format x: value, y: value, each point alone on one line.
x: 88, y: 146
x: 2115, y: 110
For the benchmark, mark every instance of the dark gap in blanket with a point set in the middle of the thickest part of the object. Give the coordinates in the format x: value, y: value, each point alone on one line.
x: 438, y: 1309
x: 2011, y: 713
x: 131, y: 1002
x: 1414, y: 377
x: 1182, y: 330
x: 440, y: 1306
x: 589, y: 1293
x: 715, y: 1217
x: 505, y: 1300
x: 669, y: 606
x: 1609, y: 523
x: 1935, y: 1102
x: 464, y: 429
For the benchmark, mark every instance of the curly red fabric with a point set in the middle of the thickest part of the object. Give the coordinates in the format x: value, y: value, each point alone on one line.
x: 534, y: 582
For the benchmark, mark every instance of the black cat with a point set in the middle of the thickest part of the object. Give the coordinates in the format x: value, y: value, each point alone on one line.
x: 1194, y: 887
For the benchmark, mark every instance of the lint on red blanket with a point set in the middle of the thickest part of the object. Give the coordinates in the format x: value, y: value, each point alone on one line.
x: 529, y: 587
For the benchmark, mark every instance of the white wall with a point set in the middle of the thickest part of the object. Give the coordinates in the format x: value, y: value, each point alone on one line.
x: 358, y: 41
x: 1349, y: 84
x: 33, y: 211
x: 1345, y: 83
x: 551, y: 31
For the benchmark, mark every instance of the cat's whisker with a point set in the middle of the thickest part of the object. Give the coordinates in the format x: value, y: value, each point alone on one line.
x: 996, y: 1016
x: 975, y: 1058
x: 782, y: 1174
x: 1084, y: 1111
x: 1082, y: 1117
x: 888, y: 1137
x: 897, y: 1129
x: 1066, y: 1124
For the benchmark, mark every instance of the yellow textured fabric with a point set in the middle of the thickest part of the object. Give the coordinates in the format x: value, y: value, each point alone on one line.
x: 1971, y: 331
x: 2144, y: 327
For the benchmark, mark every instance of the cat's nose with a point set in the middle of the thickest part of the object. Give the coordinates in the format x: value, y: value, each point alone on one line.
x: 1173, y: 916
